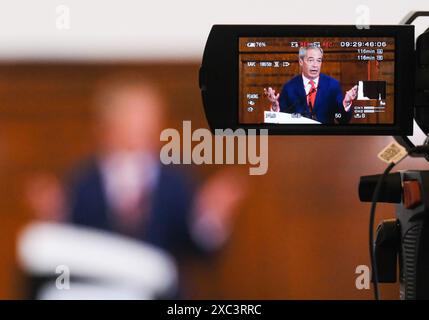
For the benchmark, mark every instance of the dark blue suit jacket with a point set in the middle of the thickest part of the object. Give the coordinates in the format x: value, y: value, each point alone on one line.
x: 329, y: 100
x: 167, y: 222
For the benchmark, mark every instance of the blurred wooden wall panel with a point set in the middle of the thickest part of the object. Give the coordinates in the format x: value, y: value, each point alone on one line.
x: 301, y: 234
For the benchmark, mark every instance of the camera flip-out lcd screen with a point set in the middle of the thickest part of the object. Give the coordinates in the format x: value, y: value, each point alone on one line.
x: 310, y: 79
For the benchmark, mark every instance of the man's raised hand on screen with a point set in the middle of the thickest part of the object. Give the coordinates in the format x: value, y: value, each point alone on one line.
x: 349, y: 97
x: 274, y: 98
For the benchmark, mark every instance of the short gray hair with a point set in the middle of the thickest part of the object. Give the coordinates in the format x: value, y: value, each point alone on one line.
x: 303, y: 50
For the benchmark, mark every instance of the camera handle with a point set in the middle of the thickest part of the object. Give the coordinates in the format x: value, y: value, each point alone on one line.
x: 405, y: 238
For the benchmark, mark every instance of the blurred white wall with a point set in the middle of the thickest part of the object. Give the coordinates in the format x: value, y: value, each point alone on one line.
x: 163, y: 29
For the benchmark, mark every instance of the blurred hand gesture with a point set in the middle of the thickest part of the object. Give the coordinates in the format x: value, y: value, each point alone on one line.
x: 45, y: 197
x: 216, y: 203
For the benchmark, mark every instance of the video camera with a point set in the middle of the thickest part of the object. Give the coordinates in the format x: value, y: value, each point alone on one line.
x: 241, y: 63
x: 336, y: 80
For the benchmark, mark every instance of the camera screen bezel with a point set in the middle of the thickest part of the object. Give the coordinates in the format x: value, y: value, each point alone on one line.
x: 219, y: 77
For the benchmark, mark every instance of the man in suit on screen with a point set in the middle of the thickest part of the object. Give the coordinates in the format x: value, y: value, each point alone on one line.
x: 313, y: 94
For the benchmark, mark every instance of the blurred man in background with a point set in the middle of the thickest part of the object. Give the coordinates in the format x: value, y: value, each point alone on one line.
x: 125, y: 189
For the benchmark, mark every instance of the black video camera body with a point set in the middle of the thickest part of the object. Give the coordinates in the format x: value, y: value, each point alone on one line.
x: 366, y: 81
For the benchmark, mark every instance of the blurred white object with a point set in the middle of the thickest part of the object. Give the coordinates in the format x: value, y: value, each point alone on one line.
x: 107, y: 259
x: 85, y: 291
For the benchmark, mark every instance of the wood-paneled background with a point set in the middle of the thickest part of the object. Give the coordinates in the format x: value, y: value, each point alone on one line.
x: 301, y: 233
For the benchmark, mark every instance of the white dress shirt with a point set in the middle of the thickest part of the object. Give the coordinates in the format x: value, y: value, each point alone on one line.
x: 126, y: 176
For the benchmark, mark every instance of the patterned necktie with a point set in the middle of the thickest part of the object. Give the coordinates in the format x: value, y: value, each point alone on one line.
x: 311, y: 98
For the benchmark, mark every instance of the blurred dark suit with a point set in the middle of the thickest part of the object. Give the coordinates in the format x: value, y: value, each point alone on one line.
x: 168, y: 208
